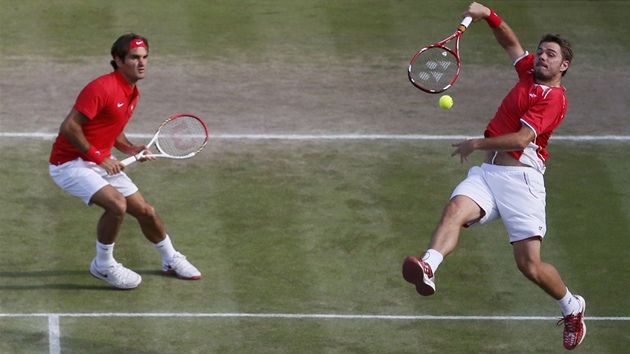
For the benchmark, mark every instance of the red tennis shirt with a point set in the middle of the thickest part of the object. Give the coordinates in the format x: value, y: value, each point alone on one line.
x: 108, y: 101
x: 541, y: 108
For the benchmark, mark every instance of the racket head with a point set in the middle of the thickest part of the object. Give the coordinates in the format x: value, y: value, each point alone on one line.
x: 182, y: 136
x: 434, y: 68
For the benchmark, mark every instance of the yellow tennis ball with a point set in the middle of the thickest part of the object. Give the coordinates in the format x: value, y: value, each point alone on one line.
x: 446, y: 102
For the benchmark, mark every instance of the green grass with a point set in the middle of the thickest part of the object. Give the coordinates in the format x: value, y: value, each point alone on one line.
x: 310, y: 228
x: 313, y: 30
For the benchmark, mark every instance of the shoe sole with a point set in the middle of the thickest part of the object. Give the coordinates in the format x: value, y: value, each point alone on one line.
x: 413, y: 273
x: 97, y: 276
x: 583, y: 302
x: 172, y: 272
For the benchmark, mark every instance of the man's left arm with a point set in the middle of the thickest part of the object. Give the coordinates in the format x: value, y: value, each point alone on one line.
x: 124, y: 145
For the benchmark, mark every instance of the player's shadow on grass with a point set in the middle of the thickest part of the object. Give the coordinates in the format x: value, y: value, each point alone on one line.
x: 57, y: 287
x: 44, y: 273
x: 48, y: 280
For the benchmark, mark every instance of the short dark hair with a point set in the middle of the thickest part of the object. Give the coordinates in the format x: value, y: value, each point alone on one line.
x: 565, y: 46
x: 120, y: 48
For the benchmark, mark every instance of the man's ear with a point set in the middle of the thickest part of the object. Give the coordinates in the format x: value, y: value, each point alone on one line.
x: 119, y: 61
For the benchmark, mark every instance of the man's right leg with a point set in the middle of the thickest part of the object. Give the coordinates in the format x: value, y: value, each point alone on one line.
x: 104, y: 266
x: 459, y: 211
x: 115, y: 207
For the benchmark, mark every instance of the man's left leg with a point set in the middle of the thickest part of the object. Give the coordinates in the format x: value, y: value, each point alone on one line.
x: 528, y: 261
x: 153, y: 229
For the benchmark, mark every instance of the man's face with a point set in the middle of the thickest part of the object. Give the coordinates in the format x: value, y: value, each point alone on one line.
x: 135, y: 65
x: 548, y: 63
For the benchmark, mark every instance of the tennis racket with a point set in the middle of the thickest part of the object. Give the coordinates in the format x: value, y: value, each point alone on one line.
x: 436, y: 67
x: 179, y: 137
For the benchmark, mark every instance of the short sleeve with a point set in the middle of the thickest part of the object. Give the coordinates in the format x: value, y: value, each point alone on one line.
x: 547, y: 110
x: 92, y: 99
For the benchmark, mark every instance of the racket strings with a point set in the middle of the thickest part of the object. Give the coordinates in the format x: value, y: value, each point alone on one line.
x: 182, y: 136
x: 434, y: 68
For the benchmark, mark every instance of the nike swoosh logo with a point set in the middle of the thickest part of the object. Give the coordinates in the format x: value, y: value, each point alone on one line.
x: 138, y: 42
x: 120, y: 105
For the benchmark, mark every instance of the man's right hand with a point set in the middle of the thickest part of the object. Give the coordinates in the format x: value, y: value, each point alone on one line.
x: 477, y: 12
x: 112, y: 166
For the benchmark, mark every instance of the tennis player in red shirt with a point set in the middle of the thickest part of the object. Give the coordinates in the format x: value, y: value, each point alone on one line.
x: 509, y: 184
x: 81, y: 164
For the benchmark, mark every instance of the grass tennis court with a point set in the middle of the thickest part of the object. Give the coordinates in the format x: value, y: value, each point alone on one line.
x: 300, y: 242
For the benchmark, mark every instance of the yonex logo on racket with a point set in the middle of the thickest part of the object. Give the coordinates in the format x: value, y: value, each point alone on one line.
x: 436, y: 75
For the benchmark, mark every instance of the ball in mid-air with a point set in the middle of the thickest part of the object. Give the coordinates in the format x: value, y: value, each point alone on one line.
x: 446, y: 102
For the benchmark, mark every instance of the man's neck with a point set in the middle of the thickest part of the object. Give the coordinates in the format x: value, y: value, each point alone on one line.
x: 550, y: 83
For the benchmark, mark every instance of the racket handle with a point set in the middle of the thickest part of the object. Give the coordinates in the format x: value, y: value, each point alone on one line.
x: 128, y: 161
x: 465, y: 23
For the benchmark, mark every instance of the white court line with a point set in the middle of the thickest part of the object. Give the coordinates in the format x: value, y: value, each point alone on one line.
x: 50, y: 136
x: 306, y: 316
x: 53, y: 334
x: 398, y: 137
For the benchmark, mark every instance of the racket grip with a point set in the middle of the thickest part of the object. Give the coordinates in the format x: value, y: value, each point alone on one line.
x: 465, y: 23
x: 128, y: 161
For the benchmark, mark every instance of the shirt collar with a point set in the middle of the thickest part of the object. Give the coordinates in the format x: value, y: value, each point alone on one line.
x: 124, y: 84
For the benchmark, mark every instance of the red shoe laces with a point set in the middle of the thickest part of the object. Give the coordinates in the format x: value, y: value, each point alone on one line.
x: 572, y: 323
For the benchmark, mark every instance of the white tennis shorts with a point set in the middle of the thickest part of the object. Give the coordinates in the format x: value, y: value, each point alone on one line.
x: 514, y: 194
x: 83, y: 179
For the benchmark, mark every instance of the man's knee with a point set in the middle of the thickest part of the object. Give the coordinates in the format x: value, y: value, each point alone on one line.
x: 111, y: 200
x: 148, y: 211
x: 460, y: 210
x: 526, y: 269
x: 527, y: 257
x: 143, y: 212
x: 529, y: 269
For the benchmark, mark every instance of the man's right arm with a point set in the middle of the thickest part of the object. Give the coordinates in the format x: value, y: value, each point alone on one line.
x: 72, y: 129
x: 503, y: 33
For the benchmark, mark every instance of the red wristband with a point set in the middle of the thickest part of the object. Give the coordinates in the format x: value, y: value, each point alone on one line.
x: 94, y: 155
x: 494, y: 20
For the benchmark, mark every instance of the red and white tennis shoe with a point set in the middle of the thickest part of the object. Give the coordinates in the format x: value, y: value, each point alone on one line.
x: 420, y: 274
x: 179, y: 266
x: 574, y: 326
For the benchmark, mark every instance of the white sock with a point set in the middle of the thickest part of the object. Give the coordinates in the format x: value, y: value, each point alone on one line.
x: 433, y: 258
x: 105, y: 255
x: 166, y: 248
x: 569, y: 304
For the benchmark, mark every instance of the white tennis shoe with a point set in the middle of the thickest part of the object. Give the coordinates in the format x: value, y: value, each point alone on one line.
x: 179, y: 266
x: 117, y: 276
